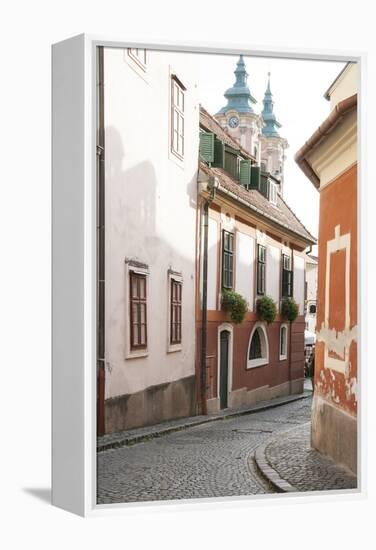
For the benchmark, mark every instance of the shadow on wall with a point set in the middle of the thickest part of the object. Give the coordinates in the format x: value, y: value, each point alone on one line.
x: 134, y: 192
x: 144, y: 223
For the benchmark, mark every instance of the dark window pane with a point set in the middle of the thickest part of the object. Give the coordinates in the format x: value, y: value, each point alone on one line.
x: 255, y: 349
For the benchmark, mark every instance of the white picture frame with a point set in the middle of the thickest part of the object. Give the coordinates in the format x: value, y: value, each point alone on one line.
x: 74, y: 265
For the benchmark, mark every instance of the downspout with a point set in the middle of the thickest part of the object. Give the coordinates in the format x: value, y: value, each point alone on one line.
x: 100, y: 245
x: 204, y: 311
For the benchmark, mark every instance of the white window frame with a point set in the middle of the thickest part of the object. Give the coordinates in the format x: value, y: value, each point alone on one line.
x: 178, y: 277
x: 134, y: 54
x: 133, y: 267
x: 283, y: 356
x: 264, y: 360
x: 175, y: 108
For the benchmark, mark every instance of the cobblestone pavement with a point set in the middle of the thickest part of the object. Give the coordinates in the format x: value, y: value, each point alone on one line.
x: 210, y: 460
x: 304, y: 468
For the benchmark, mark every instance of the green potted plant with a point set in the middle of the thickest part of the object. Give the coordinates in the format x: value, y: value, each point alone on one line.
x: 266, y: 309
x: 235, y: 304
x: 289, y: 309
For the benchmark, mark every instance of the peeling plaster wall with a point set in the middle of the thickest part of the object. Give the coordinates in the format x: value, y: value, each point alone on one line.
x: 338, y: 208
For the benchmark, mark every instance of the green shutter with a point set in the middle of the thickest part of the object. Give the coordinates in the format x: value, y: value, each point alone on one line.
x: 207, y: 147
x: 245, y: 173
x: 219, y: 153
x: 255, y: 178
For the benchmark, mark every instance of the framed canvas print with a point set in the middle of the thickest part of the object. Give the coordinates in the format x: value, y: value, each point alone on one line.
x: 207, y: 246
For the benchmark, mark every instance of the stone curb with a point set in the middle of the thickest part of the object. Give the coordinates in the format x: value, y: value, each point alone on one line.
x: 130, y: 439
x: 271, y: 475
x: 268, y: 472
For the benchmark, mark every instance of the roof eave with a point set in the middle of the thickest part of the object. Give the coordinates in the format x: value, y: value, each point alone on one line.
x: 329, y: 124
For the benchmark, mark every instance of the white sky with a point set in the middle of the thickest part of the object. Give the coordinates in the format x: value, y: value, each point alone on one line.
x: 298, y: 87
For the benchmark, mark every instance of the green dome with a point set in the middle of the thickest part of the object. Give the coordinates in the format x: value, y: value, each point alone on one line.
x: 239, y: 97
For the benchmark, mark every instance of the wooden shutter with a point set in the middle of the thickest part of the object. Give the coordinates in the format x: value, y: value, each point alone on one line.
x: 207, y: 147
x: 219, y: 153
x: 245, y: 173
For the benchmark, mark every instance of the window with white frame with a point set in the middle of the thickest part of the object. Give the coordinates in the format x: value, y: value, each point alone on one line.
x: 287, y: 277
x: 283, y: 343
x: 136, y: 341
x: 177, y: 116
x: 137, y: 313
x: 175, y: 293
x: 227, y: 260
x: 261, y: 269
x: 258, y: 347
x: 138, y: 55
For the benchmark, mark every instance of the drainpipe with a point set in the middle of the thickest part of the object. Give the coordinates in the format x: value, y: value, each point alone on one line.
x: 100, y: 244
x: 212, y: 186
x: 204, y: 310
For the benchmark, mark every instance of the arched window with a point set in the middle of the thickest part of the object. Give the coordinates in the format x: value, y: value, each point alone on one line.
x: 258, y: 349
x: 255, y: 349
x: 283, y: 343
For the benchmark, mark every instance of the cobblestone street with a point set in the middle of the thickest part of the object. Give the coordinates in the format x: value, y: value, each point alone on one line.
x: 210, y: 460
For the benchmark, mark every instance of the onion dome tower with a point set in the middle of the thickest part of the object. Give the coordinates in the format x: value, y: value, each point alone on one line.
x: 272, y: 144
x: 238, y: 116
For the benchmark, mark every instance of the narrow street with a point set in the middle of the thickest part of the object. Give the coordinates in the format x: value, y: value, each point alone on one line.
x: 211, y: 460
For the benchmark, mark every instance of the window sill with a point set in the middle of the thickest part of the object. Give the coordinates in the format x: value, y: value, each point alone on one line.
x: 282, y: 357
x: 254, y: 363
x: 137, y: 354
x: 174, y: 347
x: 176, y: 159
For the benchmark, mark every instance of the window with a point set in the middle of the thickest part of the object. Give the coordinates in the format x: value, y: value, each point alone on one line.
x: 177, y: 117
x: 137, y: 302
x: 255, y: 349
x: 227, y: 259
x: 261, y: 262
x: 283, y: 343
x: 175, y: 311
x: 273, y: 193
x: 287, y: 277
x: 138, y: 55
x: 258, y: 350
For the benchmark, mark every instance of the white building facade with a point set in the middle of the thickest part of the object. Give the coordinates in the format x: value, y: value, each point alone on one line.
x: 150, y: 117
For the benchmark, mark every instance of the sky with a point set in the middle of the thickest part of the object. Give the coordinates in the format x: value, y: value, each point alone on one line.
x: 298, y: 88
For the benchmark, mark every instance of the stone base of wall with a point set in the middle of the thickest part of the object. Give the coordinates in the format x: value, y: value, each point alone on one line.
x: 334, y: 433
x: 155, y: 404
x: 241, y: 398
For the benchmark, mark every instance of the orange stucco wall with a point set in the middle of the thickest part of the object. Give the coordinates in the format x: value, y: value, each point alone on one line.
x: 338, y: 207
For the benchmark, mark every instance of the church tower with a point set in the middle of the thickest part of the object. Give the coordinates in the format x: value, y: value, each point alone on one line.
x: 257, y: 133
x: 272, y: 144
x: 238, y: 116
